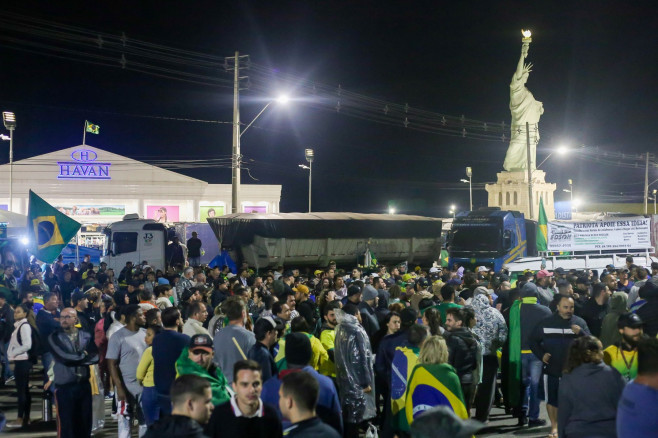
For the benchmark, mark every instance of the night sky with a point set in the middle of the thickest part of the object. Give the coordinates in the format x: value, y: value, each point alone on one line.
x: 594, y: 69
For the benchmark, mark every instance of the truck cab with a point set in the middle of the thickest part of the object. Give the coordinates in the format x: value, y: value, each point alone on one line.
x: 133, y: 240
x: 490, y: 237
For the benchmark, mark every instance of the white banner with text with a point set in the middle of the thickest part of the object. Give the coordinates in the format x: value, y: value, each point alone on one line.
x: 612, y: 234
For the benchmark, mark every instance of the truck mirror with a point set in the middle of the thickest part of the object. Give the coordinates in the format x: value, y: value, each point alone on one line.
x: 507, y: 240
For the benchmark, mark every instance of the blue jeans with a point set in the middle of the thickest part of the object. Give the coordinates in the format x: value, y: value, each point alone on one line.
x: 150, y: 405
x: 165, y: 404
x: 6, y: 369
x: 531, y: 369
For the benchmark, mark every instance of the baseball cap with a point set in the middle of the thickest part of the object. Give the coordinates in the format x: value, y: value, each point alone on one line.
x: 559, y: 271
x: 77, y: 296
x: 423, y: 281
x: 630, y: 320
x: 583, y: 280
x: 434, y: 270
x: 353, y: 290
x: 317, y: 271
x: 201, y: 342
x: 442, y: 422
x: 543, y: 273
x: 482, y: 269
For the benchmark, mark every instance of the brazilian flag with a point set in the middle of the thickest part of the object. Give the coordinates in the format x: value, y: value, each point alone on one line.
x: 433, y: 385
x: 48, y: 229
x: 404, y: 361
x: 91, y: 128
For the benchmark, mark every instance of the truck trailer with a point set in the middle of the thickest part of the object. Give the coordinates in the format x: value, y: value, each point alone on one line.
x: 315, y: 239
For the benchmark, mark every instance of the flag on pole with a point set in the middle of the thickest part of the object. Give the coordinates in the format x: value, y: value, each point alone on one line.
x: 542, y: 228
x: 91, y: 128
x: 48, y: 230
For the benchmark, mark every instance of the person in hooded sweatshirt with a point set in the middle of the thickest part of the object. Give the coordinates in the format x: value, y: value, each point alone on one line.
x: 191, y: 401
x: 609, y: 332
x: 591, y: 412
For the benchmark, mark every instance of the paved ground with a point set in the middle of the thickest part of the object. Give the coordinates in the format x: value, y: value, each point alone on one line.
x: 500, y: 425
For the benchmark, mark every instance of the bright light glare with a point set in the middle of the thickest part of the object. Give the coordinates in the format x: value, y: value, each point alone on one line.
x: 4, y: 137
x: 576, y: 203
x: 24, y: 240
x: 391, y: 210
x: 452, y: 207
x: 464, y: 180
x: 526, y: 33
x: 562, y: 150
x: 283, y: 99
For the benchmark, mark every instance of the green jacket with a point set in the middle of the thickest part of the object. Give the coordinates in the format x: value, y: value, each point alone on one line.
x: 184, y: 365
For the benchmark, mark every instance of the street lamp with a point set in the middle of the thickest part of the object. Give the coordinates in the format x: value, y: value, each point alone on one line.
x: 309, y: 157
x: 654, y: 200
x: 9, y: 119
x: 561, y: 150
x: 469, y: 174
x: 237, y: 135
x: 453, y: 210
x: 570, y: 191
x: 391, y: 210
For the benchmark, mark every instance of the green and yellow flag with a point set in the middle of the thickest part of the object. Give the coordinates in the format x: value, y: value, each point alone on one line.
x: 542, y: 228
x: 91, y: 128
x: 48, y: 230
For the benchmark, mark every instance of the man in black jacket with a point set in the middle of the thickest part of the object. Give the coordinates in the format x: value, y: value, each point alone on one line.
x: 192, y: 406
x: 649, y: 311
x: 550, y: 343
x: 73, y: 351
x: 298, y: 396
x: 194, y: 250
x: 462, y: 353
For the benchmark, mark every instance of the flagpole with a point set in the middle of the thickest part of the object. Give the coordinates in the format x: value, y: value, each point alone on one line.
x: 84, y: 134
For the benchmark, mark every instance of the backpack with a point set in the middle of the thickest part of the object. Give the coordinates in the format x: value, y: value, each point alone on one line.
x: 33, y: 353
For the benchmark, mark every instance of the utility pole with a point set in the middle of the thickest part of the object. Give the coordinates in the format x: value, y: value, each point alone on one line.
x: 646, y: 184
x: 236, y: 157
x: 527, y: 139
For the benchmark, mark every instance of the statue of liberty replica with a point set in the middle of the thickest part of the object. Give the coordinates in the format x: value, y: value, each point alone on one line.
x: 511, y: 190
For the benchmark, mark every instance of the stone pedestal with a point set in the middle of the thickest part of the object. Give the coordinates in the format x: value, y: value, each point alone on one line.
x: 510, y: 192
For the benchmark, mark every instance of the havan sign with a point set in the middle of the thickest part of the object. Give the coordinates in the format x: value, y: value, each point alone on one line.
x: 84, y: 166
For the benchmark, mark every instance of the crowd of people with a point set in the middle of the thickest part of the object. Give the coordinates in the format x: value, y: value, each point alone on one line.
x: 197, y: 351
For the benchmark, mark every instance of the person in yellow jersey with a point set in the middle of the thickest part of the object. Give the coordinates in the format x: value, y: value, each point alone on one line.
x: 622, y: 356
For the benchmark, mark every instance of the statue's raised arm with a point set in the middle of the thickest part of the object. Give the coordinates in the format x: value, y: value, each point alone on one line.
x: 524, y: 108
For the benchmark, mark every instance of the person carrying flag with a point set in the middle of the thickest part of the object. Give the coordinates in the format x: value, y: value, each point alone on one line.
x: 433, y: 382
x: 524, y: 369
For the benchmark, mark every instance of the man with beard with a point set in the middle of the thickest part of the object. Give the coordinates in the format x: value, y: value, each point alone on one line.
x: 550, y: 342
x: 124, y: 351
x: 328, y: 337
x: 623, y: 355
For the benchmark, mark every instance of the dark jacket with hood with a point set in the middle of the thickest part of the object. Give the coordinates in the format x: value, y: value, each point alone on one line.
x: 609, y: 331
x: 463, y: 354
x: 591, y: 412
x: 175, y: 426
x: 649, y: 311
x: 531, y: 314
x: 554, y: 335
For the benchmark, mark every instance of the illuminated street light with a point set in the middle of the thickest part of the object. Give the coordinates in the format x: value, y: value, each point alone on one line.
x: 237, y: 135
x: 9, y: 119
x: 391, y: 210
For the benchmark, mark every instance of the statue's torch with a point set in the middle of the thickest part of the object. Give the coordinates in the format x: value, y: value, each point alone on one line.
x: 526, y: 36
